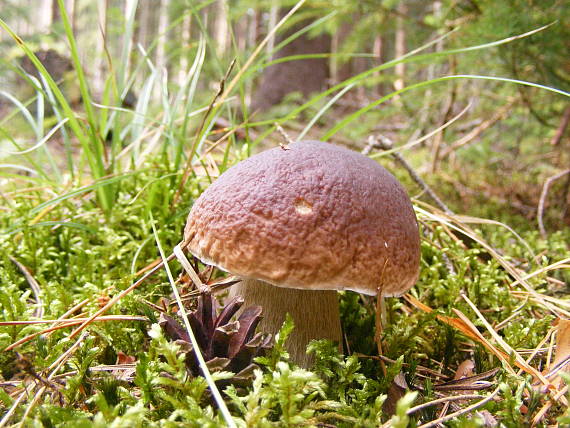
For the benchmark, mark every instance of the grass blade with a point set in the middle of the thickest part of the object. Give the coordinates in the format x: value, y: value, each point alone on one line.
x: 203, y: 367
x: 74, y: 123
x: 385, y: 98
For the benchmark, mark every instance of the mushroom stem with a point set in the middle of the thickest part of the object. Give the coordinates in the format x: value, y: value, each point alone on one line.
x: 314, y: 312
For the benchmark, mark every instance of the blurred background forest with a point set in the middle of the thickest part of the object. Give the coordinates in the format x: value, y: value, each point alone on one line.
x: 500, y: 151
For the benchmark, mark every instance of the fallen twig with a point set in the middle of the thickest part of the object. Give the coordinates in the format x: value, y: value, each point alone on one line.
x: 385, y: 143
x: 119, y: 297
x: 63, y: 323
x: 543, y: 195
x: 462, y: 411
x: 499, y: 115
x: 561, y: 128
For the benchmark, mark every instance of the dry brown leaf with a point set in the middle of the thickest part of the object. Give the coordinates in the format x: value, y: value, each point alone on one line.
x: 123, y: 358
x: 465, y: 369
x: 454, y: 322
x: 481, y: 339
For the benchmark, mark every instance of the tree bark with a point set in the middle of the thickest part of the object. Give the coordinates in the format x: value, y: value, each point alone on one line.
x: 43, y: 21
x: 185, y: 40
x: 561, y: 128
x: 162, y: 36
x: 100, y: 56
x: 400, y: 46
x: 273, y: 15
x: 221, y: 27
x: 304, y: 75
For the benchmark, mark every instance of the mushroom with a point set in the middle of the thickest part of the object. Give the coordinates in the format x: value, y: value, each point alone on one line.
x: 298, y: 223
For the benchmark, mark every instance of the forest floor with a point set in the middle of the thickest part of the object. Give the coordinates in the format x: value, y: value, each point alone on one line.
x: 477, y: 341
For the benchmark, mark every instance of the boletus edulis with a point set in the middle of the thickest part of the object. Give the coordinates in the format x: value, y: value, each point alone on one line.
x: 298, y: 223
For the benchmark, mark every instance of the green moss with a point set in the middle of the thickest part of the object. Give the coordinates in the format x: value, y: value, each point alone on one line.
x: 98, y: 259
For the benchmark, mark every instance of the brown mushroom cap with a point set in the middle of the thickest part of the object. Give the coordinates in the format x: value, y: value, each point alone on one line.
x: 312, y: 216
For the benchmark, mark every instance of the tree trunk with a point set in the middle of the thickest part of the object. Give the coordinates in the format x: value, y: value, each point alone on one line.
x: 127, y: 45
x: 71, y: 12
x: 400, y: 46
x: 378, y: 52
x: 55, y: 12
x: 162, y: 35
x: 100, y: 56
x: 221, y: 27
x: 185, y: 40
x: 273, y: 15
x: 43, y: 21
x: 305, y: 75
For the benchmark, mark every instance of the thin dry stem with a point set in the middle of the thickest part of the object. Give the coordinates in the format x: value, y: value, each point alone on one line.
x: 54, y: 367
x: 557, y: 137
x: 6, y: 418
x: 385, y: 143
x: 182, y: 310
x: 543, y: 195
x: 118, y: 297
x: 542, y: 412
x: 379, y: 321
x: 188, y: 166
x: 53, y: 327
x: 62, y: 324
x: 430, y: 134
x: 506, y: 347
x: 67, y: 322
x: 204, y: 289
x: 464, y: 324
x: 441, y: 401
x: 34, y: 285
x: 419, y: 368
x: 463, y: 411
x: 453, y: 223
x: 284, y: 135
x: 477, y: 131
